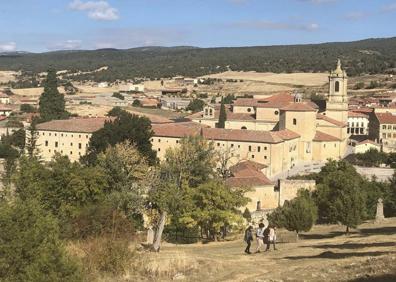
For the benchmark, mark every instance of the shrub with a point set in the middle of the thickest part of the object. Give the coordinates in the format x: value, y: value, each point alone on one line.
x: 33, y: 250
x: 118, y: 95
x: 107, y: 255
x: 26, y: 108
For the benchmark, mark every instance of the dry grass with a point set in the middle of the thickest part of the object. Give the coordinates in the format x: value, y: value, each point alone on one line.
x: 6, y: 76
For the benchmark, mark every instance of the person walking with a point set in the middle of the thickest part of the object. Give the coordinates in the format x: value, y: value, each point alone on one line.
x: 260, y: 237
x: 248, y: 239
x: 271, y: 238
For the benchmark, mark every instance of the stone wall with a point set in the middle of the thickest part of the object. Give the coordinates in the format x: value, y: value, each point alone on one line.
x: 288, y: 188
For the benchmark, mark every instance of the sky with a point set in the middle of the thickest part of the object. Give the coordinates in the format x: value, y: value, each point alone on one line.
x: 48, y: 25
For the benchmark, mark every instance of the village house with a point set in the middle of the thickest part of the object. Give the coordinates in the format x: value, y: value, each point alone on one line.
x: 4, y: 98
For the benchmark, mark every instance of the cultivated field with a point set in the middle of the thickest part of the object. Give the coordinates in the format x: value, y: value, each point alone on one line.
x: 6, y: 76
x: 323, y: 254
x: 301, y: 79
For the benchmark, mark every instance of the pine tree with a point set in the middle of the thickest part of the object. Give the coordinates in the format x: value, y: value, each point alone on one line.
x: 222, y: 116
x: 52, y: 103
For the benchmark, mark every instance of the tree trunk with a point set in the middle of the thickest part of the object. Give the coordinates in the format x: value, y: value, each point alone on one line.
x: 347, y: 230
x: 158, y: 234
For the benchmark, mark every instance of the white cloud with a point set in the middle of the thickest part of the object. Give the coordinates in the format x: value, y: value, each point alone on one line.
x: 355, y: 16
x: 8, y: 47
x: 70, y: 44
x: 269, y: 25
x: 389, y: 8
x: 97, y: 10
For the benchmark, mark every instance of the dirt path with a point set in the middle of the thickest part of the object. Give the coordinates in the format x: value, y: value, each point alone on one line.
x: 324, y: 254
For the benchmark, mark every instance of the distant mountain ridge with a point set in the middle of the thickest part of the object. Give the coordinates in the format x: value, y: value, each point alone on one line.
x: 375, y: 55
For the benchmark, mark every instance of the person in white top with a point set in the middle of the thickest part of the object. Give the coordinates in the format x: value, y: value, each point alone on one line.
x: 260, y: 237
x: 271, y: 238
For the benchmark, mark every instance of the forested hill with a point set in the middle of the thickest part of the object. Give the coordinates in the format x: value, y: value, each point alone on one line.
x: 365, y: 56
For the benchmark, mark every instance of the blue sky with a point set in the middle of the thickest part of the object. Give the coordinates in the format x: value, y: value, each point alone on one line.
x: 43, y: 25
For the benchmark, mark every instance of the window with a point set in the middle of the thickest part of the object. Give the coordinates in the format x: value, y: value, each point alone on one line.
x: 43, y: 133
x: 324, y: 145
x: 384, y: 126
x: 252, y: 156
x: 239, y: 146
x: 56, y: 134
x: 243, y: 127
x: 159, y: 149
x: 56, y: 144
x: 265, y: 157
x: 361, y: 130
x: 383, y: 135
x: 71, y: 152
x: 86, y: 136
x: 159, y: 140
x: 294, y: 121
x: 49, y: 134
x: 258, y: 149
x: 206, y: 112
x: 249, y: 110
x: 177, y: 141
x: 389, y: 126
x: 232, y: 145
x: 46, y: 143
x: 389, y: 135
x: 79, y: 136
x: 211, y: 111
x: 61, y: 151
x: 250, y: 148
x: 265, y: 148
x: 337, y: 86
x: 276, y: 113
x: 218, y: 144
x: 348, y: 130
x: 71, y: 144
x: 62, y: 134
x: 335, y: 145
x: 79, y: 145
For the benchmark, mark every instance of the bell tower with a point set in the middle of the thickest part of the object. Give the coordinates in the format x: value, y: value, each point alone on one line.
x: 337, y: 103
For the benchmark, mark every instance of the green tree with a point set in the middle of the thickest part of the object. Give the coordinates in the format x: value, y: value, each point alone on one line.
x: 339, y: 194
x: 222, y: 116
x: 214, y: 206
x: 118, y: 95
x: 52, y: 103
x: 229, y: 99
x: 125, y: 126
x: 195, y: 105
x: 187, y: 166
x: 26, y: 108
x: 299, y: 214
x: 16, y: 139
x: 33, y: 250
x: 247, y: 215
x: 136, y: 103
x: 114, y: 112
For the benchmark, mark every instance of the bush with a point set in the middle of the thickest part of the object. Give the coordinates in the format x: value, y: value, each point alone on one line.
x: 359, y: 85
x: 118, y: 95
x: 26, y: 108
x: 136, y: 103
x: 99, y: 219
x: 107, y: 255
x: 30, y: 246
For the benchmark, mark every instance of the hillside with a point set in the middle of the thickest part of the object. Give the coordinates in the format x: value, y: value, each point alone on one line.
x: 365, y: 56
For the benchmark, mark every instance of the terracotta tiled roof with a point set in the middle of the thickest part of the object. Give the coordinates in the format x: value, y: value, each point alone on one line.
x: 323, y: 137
x: 299, y: 107
x: 357, y: 114
x: 83, y: 125
x: 386, y: 118
x: 241, y: 135
x: 245, y: 102
x: 4, y: 108
x: 3, y: 95
x: 286, y: 134
x: 248, y: 174
x: 276, y: 101
x: 177, y: 130
x: 330, y: 120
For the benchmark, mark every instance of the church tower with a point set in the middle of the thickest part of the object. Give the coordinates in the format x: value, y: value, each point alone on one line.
x: 337, y: 103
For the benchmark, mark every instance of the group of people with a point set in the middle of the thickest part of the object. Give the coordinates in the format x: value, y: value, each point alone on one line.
x: 264, y: 236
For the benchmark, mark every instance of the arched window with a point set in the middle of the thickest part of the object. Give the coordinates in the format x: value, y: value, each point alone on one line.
x: 243, y: 127
x: 211, y: 112
x: 206, y: 112
x: 337, y: 86
x: 294, y: 121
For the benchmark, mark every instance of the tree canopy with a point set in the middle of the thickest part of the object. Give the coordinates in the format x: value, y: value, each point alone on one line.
x: 52, y: 103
